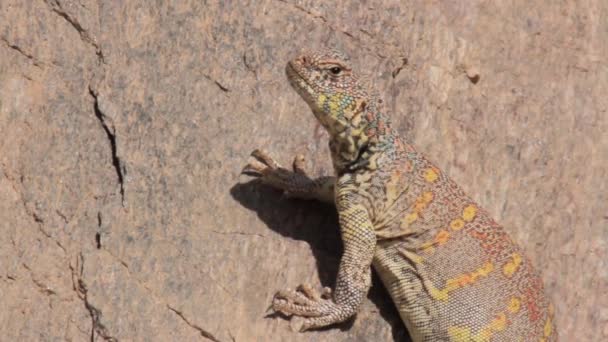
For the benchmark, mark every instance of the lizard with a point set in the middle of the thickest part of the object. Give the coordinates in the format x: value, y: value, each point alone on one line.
x: 452, y: 271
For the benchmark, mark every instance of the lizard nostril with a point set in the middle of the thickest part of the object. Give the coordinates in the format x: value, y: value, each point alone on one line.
x: 303, y: 59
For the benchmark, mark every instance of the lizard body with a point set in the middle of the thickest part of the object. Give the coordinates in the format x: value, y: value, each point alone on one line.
x: 453, y: 273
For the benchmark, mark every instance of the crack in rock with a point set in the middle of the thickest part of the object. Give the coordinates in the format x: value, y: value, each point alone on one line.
x: 29, y: 212
x: 202, y: 331
x: 84, y: 34
x: 404, y: 62
x: 80, y: 287
x: 45, y: 289
x: 392, y: 49
x: 217, y: 83
x: 111, y: 133
x: 17, y: 48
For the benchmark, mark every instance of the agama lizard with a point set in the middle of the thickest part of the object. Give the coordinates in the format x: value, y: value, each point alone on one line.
x: 453, y: 272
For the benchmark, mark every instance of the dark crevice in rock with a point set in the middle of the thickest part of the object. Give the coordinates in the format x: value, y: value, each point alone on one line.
x: 39, y: 221
x: 248, y: 65
x: 84, y: 34
x: 397, y: 70
x: 80, y: 287
x: 222, y: 87
x: 310, y: 13
x: 392, y: 49
x: 17, y: 48
x: 98, y: 234
x: 43, y: 288
x: 202, y: 331
x: 63, y: 217
x: 473, y: 78
x: 111, y: 133
x: 217, y: 83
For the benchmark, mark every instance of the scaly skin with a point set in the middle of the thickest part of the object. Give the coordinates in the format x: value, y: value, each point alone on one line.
x: 452, y: 271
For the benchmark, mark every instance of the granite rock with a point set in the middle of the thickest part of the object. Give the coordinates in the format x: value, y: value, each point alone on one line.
x: 125, y: 126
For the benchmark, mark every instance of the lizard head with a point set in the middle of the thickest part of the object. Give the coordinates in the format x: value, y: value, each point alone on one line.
x: 326, y: 81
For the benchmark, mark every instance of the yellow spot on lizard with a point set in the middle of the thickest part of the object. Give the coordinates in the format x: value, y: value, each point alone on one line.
x: 423, y: 201
x: 321, y: 100
x: 437, y: 293
x: 514, y: 305
x: 457, y: 224
x: 511, y: 267
x: 498, y: 324
x: 411, y: 256
x: 548, y: 327
x: 459, y: 334
x: 334, y: 103
x: 410, y: 218
x: 468, y: 214
x: 431, y: 174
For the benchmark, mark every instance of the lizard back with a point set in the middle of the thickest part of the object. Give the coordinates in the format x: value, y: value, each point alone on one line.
x: 452, y: 271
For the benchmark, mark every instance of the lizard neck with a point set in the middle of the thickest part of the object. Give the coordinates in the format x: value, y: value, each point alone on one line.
x: 358, y: 143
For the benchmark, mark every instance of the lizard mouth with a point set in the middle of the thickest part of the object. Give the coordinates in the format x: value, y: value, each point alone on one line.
x: 299, y: 83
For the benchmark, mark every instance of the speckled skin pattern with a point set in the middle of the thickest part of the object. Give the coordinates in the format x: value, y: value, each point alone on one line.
x: 453, y: 272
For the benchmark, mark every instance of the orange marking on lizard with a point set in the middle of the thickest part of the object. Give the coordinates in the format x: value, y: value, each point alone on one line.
x: 479, y: 235
x: 421, y: 203
x: 532, y: 299
x: 468, y: 214
x: 441, y: 237
x: 460, y: 281
x: 497, y: 324
x: 495, y: 244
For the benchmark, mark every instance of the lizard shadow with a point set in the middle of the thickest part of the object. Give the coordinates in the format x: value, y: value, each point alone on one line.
x: 317, y: 224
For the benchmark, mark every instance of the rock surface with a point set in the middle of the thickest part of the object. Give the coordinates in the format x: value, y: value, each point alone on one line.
x: 124, y: 127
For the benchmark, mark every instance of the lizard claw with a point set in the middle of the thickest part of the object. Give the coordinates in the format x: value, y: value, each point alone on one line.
x: 304, y: 301
x: 263, y: 157
x: 299, y: 164
x: 254, y: 168
x: 261, y: 165
x: 309, y: 308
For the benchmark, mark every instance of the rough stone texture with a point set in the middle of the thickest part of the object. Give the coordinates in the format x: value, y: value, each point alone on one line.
x: 124, y: 128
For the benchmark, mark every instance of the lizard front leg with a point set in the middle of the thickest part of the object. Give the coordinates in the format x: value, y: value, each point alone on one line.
x: 354, y: 274
x: 295, y: 183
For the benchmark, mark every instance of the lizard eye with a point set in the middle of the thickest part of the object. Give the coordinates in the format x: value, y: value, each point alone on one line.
x: 335, y: 70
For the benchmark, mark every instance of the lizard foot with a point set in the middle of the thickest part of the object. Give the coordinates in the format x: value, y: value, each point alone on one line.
x: 318, y: 309
x: 272, y: 173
